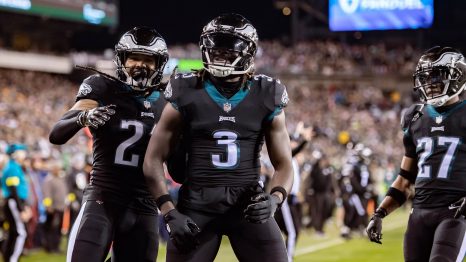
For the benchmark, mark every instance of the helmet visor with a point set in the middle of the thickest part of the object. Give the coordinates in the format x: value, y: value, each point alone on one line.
x: 432, y: 81
x: 224, y: 41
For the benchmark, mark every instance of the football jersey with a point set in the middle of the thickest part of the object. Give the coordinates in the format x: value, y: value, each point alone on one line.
x: 119, y: 146
x: 435, y: 140
x: 224, y: 136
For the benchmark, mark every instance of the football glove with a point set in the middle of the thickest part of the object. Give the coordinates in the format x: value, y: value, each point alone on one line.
x: 96, y: 117
x: 461, y: 205
x: 262, y: 208
x: 374, y: 229
x: 182, y: 230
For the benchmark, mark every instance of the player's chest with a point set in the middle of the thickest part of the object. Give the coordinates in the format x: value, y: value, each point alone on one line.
x: 208, y: 113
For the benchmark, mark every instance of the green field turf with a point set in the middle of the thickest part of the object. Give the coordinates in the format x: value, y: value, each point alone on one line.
x: 311, y: 247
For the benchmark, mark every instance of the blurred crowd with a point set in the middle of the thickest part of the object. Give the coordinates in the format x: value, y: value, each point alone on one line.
x: 332, y: 117
x: 325, y: 58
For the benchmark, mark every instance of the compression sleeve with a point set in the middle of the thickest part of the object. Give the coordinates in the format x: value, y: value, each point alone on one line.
x: 65, y: 128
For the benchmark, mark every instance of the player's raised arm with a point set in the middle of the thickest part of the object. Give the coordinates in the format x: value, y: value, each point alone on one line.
x: 85, y: 112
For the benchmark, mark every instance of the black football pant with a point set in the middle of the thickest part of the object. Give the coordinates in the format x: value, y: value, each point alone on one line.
x: 250, y: 242
x: 434, y: 235
x: 134, y: 235
x: 13, y: 245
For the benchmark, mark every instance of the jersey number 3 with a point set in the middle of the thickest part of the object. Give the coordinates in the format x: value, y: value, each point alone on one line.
x: 426, y: 144
x: 228, y: 139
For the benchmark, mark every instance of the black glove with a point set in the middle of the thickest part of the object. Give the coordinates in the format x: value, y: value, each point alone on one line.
x: 96, y: 117
x: 262, y: 208
x: 374, y: 229
x: 182, y: 230
x: 461, y: 205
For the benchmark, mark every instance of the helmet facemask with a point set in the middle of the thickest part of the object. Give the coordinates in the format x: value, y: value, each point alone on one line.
x: 143, y: 42
x: 440, y: 80
x: 226, y: 54
x: 228, y: 44
x: 140, y: 77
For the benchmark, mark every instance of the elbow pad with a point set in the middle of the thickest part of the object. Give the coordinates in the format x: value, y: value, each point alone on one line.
x: 410, y: 176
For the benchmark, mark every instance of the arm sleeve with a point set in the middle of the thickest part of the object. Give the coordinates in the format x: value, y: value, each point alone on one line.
x: 65, y: 128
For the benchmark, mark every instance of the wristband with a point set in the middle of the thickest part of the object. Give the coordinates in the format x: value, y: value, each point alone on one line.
x: 381, y: 212
x: 162, y: 200
x: 397, y: 195
x: 281, y: 190
x: 410, y: 176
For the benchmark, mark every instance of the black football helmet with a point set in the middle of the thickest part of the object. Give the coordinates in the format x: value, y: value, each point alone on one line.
x: 146, y: 41
x: 440, y: 75
x: 228, y: 44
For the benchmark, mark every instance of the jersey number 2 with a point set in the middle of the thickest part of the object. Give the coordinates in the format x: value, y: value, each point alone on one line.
x: 120, y: 151
x: 426, y: 144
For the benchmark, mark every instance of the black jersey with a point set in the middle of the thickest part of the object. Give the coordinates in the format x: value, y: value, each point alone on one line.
x: 120, y: 145
x: 436, y: 141
x: 224, y: 136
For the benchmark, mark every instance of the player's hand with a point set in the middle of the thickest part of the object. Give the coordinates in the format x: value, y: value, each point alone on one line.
x: 182, y: 230
x: 461, y: 204
x: 262, y: 208
x: 374, y: 229
x: 96, y: 117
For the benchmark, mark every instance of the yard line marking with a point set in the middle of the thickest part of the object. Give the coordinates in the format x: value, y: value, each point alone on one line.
x: 338, y: 241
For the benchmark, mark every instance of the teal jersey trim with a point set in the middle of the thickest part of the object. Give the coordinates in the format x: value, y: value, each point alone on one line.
x: 220, y: 99
x: 276, y: 112
x: 433, y: 113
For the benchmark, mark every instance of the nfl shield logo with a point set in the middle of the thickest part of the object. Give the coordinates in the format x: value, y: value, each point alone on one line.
x: 147, y: 104
x: 227, y: 107
x: 438, y: 119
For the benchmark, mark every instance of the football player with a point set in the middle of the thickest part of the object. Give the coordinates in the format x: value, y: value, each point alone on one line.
x: 223, y: 113
x: 120, y: 113
x: 434, y: 161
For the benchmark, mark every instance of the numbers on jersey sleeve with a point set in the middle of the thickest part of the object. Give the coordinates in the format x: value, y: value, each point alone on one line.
x: 426, y: 144
x: 120, y: 151
x: 228, y: 139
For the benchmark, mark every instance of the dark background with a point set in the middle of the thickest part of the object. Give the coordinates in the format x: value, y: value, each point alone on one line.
x: 182, y: 21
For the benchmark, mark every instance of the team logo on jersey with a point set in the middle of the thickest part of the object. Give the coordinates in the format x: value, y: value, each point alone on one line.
x: 285, y: 98
x: 147, y: 104
x: 226, y: 118
x: 227, y: 107
x: 437, y: 128
x: 438, y: 119
x: 147, y: 114
x: 84, y: 89
x: 168, y: 91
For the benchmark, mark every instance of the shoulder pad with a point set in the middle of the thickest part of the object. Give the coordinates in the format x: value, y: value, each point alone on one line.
x: 92, y: 87
x: 178, y: 84
x: 410, y: 115
x: 276, y: 90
